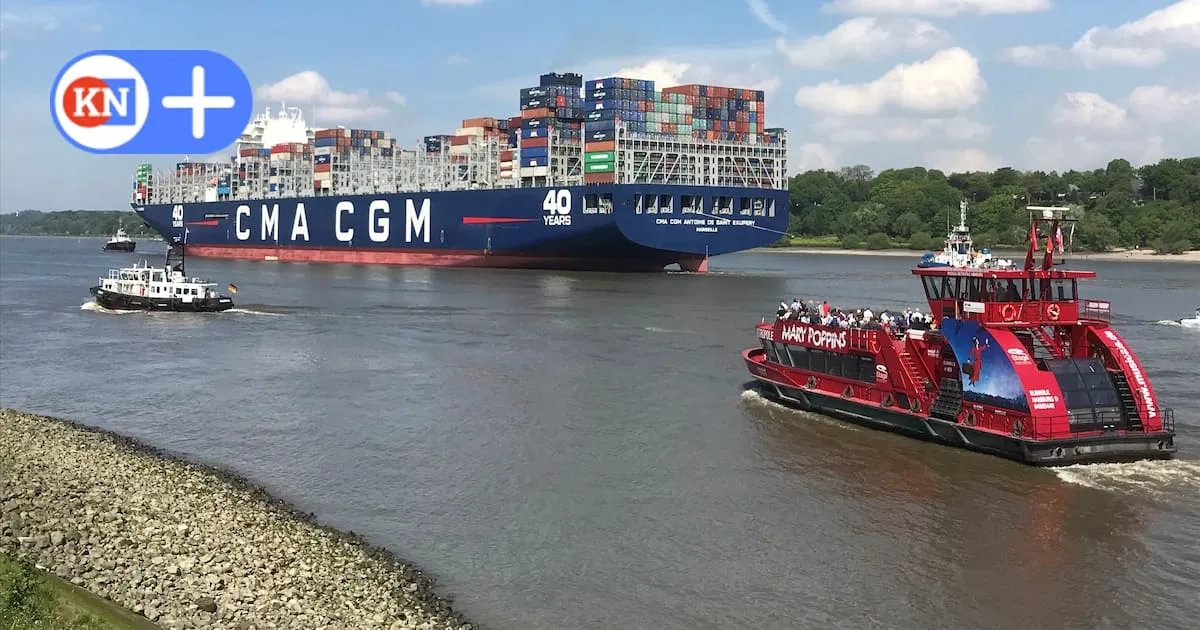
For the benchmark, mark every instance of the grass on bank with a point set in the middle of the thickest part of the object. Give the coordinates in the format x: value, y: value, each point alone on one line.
x: 34, y: 599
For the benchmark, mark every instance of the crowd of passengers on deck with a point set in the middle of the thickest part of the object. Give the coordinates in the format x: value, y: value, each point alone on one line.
x: 835, y: 317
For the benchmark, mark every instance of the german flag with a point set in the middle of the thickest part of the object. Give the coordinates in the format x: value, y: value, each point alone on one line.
x: 232, y: 288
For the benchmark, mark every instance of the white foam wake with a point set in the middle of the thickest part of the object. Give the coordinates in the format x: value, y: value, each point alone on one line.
x: 96, y: 308
x: 753, y: 398
x: 246, y: 311
x: 1190, y: 322
x: 1153, y: 477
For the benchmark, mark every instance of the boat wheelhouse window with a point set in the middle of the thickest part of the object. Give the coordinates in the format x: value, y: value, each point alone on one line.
x: 723, y: 205
x: 1007, y: 291
x: 932, y: 287
x: 638, y: 202
x: 972, y: 289
x: 690, y: 204
x: 866, y: 369
x: 1031, y: 290
x: 798, y: 356
x: 1063, y: 289
x: 769, y: 347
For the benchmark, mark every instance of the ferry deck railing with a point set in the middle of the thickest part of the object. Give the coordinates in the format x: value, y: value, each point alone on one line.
x: 1095, y: 310
x: 1039, y: 429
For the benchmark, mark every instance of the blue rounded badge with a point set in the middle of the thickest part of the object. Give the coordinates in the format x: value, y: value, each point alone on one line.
x: 151, y: 101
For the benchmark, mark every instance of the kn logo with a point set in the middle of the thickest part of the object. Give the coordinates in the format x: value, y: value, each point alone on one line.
x: 151, y: 101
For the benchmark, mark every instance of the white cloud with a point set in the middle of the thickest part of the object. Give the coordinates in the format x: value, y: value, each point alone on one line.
x: 963, y: 160
x: 852, y: 131
x: 940, y: 8
x: 864, y: 38
x: 949, y: 80
x: 1087, y: 130
x: 396, y: 98
x: 762, y: 13
x: 666, y: 73
x: 813, y: 156
x: 1140, y: 43
x: 457, y: 60
x: 310, y: 88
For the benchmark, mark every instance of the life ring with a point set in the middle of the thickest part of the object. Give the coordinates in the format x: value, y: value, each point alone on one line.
x: 812, y: 382
x: 873, y: 342
x: 1052, y: 312
x: 1008, y: 312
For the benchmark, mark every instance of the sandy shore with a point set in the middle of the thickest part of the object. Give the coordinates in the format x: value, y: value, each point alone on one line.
x: 1121, y: 255
x: 190, y: 546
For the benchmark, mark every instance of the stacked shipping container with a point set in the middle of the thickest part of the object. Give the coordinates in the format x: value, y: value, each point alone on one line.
x: 333, y: 147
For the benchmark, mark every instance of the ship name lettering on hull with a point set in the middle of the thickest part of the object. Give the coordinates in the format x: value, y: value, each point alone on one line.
x: 379, y: 222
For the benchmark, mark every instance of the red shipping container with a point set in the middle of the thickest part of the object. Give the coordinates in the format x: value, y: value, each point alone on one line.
x: 322, y: 168
x: 599, y: 178
x: 459, y: 140
x: 541, y: 112
x: 560, y: 100
x: 506, y: 156
x: 514, y: 122
x: 485, y: 122
x: 534, y: 143
x: 248, y: 152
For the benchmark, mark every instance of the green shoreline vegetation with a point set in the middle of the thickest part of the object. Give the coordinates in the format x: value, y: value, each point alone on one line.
x: 31, y: 598
x: 1156, y: 207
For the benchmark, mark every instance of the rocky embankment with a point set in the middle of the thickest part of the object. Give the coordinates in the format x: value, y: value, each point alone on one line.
x: 189, y: 546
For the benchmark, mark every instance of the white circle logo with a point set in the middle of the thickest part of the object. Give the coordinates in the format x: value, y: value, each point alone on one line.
x: 101, y: 102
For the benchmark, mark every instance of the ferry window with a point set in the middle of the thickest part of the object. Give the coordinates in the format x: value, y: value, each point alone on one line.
x: 816, y: 360
x: 771, y: 208
x: 606, y: 203
x: 666, y: 204
x: 770, y: 349
x: 866, y: 369
x: 1062, y: 289
x: 932, y: 288
x: 949, y: 289
x: 1007, y: 291
x: 744, y: 206
x: 1031, y: 290
x: 835, y: 364
x: 722, y: 205
x: 975, y: 292
x: 799, y: 355
x: 637, y: 203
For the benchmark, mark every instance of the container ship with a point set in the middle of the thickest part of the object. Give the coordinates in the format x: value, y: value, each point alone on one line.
x: 609, y: 174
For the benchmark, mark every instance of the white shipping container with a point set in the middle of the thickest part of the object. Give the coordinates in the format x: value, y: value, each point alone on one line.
x: 470, y: 131
x: 323, y: 175
x: 536, y: 171
x: 506, y: 164
x: 460, y: 149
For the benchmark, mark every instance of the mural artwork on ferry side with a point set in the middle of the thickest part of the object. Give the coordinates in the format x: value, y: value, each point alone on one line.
x: 988, y: 377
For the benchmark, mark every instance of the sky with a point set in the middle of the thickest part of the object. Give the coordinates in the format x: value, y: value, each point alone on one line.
x: 956, y: 85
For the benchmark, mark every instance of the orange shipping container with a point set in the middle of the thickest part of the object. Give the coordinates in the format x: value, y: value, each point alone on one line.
x: 599, y: 178
x: 459, y: 140
x: 322, y: 168
x: 506, y: 156
x: 541, y: 112
x: 486, y: 123
x: 590, y: 147
x: 533, y: 143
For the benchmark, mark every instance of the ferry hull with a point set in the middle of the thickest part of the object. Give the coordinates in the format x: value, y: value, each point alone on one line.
x: 775, y: 385
x: 605, y: 228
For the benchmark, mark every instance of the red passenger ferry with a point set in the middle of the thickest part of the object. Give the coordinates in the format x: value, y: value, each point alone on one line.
x: 1019, y: 366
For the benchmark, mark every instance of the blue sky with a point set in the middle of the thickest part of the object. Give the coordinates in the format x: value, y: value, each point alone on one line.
x: 951, y: 84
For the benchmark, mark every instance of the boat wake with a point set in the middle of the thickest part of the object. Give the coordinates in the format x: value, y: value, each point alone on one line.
x: 96, y: 308
x: 1191, y: 322
x: 248, y: 311
x: 752, y: 398
x: 1153, y: 477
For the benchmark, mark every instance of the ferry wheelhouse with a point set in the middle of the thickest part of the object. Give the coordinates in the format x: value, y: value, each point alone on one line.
x: 1017, y: 364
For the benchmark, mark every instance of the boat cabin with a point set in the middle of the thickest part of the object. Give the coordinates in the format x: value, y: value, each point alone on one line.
x: 157, y: 282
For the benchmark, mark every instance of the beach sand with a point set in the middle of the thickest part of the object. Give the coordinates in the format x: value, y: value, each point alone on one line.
x: 1117, y: 255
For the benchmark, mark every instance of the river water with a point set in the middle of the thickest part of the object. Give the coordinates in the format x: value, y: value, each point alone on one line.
x: 575, y: 450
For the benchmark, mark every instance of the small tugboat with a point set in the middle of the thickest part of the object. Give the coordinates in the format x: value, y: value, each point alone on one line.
x: 120, y: 242
x: 959, y: 250
x: 165, y: 288
x: 1010, y: 362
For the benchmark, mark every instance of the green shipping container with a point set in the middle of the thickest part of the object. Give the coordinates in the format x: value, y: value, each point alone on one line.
x: 598, y: 167
x: 599, y: 156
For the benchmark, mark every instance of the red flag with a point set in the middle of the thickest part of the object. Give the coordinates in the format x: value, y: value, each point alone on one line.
x: 1058, y: 237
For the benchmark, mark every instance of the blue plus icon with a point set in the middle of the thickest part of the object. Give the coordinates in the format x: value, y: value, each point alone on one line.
x: 193, y: 102
x: 198, y: 102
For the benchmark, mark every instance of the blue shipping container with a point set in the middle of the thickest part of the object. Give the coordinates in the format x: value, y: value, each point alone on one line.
x: 223, y: 190
x: 535, y: 133
x: 601, y: 125
x: 325, y: 142
x: 535, y: 152
x: 599, y: 136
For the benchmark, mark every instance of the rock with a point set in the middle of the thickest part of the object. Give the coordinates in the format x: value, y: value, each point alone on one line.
x: 207, y: 604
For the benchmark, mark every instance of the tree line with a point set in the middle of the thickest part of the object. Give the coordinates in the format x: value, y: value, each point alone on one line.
x: 1156, y: 206
x: 73, y: 223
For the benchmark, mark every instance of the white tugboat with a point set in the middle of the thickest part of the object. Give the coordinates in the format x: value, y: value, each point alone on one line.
x: 959, y: 251
x: 166, y: 288
x: 120, y: 242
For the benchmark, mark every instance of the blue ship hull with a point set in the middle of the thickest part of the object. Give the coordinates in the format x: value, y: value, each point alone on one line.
x: 546, y: 228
